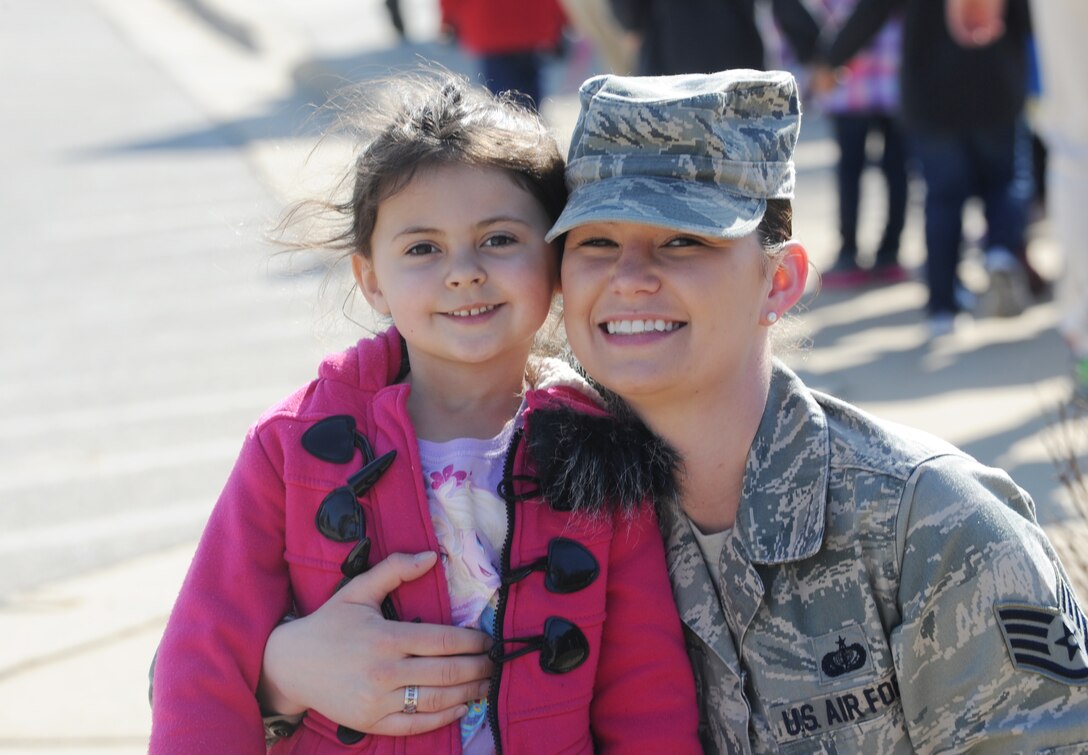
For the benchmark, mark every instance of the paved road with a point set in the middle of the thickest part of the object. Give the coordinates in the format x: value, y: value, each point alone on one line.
x: 144, y: 322
x: 144, y: 326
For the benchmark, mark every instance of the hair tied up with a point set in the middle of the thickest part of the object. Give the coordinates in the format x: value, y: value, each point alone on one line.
x: 438, y: 113
x: 418, y: 120
x: 452, y: 93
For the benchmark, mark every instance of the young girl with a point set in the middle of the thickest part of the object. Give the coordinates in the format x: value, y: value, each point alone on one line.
x: 443, y: 435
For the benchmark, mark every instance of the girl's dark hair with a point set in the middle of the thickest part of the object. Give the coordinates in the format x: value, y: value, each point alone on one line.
x: 416, y: 121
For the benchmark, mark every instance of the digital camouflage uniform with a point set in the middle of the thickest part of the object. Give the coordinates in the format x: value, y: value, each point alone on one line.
x: 887, y: 593
x: 880, y: 592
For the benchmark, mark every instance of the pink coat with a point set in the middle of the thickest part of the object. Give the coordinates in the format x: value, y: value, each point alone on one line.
x: 261, y: 556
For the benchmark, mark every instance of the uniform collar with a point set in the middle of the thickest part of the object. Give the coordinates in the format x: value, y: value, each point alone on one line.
x: 784, y: 496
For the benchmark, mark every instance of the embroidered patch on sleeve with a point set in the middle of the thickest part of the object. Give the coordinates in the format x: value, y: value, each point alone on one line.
x: 1048, y: 641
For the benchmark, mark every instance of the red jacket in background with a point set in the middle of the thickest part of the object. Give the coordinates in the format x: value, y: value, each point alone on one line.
x: 486, y: 27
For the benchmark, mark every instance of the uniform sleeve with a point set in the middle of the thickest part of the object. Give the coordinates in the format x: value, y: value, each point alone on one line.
x: 644, y: 695
x: 990, y: 653
x: 237, y: 589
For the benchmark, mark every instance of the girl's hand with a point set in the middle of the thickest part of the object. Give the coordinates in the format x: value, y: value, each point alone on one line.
x: 351, y: 665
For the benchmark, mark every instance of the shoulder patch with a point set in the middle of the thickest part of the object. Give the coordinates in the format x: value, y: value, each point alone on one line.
x: 1045, y: 640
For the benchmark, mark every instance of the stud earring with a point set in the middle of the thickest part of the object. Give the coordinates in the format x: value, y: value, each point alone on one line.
x: 772, y: 318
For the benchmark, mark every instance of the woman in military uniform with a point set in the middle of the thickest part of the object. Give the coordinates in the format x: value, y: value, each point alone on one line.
x: 846, y: 585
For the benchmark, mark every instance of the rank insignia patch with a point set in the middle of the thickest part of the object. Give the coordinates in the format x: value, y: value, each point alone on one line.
x: 1048, y: 641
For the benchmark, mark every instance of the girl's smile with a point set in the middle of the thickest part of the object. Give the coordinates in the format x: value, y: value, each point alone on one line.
x: 483, y: 309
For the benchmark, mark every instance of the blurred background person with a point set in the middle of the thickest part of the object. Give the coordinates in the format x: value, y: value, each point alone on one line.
x: 596, y: 22
x: 1059, y: 27
x: 963, y: 112
x: 396, y: 18
x: 511, y: 39
x: 704, y: 36
x: 862, y: 99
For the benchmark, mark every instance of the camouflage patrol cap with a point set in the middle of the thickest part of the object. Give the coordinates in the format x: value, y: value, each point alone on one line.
x: 697, y: 152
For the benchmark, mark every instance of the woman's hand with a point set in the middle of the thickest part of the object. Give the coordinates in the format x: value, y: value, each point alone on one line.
x: 351, y: 665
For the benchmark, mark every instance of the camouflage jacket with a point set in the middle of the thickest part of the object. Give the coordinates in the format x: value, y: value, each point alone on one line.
x: 880, y: 592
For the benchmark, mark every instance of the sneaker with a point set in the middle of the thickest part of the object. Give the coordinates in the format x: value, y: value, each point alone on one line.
x: 966, y: 300
x: 845, y: 273
x: 889, y: 273
x: 1041, y: 288
x: 1008, y: 294
x: 941, y: 324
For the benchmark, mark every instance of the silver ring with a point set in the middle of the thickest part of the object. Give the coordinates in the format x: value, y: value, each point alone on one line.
x: 411, y: 697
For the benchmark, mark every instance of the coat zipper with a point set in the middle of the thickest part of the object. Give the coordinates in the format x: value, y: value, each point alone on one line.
x: 500, y: 609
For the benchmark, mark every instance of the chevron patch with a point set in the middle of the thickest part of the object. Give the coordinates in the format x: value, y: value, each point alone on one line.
x: 1047, y: 641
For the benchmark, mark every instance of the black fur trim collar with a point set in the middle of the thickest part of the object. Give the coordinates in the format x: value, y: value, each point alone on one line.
x: 597, y: 464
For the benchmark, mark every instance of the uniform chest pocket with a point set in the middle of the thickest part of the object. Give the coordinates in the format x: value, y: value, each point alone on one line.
x: 843, y: 686
x: 850, y: 712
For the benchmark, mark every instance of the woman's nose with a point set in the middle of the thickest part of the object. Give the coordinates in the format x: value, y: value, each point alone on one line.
x: 635, y: 270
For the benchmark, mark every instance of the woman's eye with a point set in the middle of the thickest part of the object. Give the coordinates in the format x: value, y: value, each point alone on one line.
x: 592, y: 247
x: 685, y: 241
x: 421, y: 249
x: 596, y: 241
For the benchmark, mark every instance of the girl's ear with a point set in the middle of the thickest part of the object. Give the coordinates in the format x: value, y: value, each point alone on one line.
x: 788, y: 279
x: 363, y: 270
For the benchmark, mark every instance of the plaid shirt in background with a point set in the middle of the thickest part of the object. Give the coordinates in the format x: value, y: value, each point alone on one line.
x: 870, y: 80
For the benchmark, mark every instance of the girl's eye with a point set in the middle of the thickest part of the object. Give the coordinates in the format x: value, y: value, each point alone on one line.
x: 500, y: 239
x: 421, y: 249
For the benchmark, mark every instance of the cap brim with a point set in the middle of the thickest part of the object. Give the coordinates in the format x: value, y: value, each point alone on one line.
x: 680, y: 204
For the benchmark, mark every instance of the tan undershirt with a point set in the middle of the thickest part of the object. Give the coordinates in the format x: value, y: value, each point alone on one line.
x: 711, y: 545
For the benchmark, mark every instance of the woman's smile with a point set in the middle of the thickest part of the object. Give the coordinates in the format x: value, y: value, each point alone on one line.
x: 640, y: 326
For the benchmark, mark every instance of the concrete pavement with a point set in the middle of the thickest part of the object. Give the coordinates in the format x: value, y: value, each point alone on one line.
x: 146, y: 325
